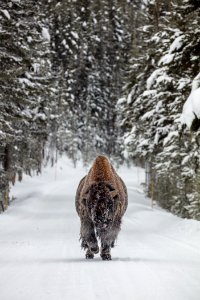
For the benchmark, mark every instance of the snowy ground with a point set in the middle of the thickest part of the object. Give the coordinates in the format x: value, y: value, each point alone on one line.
x: 157, y: 256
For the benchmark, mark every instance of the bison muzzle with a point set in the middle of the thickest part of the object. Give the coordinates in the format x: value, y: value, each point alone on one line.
x: 101, y: 201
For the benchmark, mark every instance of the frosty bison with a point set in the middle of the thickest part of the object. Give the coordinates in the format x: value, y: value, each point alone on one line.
x: 101, y: 201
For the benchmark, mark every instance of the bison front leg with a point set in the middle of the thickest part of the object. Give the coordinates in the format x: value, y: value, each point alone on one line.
x: 107, y: 242
x: 105, y: 251
x: 88, y: 237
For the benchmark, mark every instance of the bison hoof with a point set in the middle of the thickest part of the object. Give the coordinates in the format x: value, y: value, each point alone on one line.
x: 106, y: 256
x: 89, y: 256
x: 95, y: 249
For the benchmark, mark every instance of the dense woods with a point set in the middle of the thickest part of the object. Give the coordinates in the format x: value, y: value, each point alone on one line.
x: 102, y: 76
x: 62, y: 71
x: 162, y: 75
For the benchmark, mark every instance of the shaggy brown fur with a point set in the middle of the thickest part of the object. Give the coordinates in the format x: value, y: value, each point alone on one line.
x: 101, y: 201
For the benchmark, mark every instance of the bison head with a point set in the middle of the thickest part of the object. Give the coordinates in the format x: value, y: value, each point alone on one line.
x: 101, y: 203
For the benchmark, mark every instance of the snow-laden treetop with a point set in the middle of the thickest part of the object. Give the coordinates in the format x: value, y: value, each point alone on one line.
x: 191, y: 108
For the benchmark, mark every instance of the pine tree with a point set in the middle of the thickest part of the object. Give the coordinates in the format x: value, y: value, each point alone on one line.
x: 90, y: 45
x: 25, y: 78
x: 62, y: 70
x: 159, y: 88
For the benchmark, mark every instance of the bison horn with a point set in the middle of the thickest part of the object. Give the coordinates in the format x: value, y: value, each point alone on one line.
x: 113, y: 191
x: 114, y: 194
x: 111, y: 188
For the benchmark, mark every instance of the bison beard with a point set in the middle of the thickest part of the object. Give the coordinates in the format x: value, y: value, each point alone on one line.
x: 101, y: 200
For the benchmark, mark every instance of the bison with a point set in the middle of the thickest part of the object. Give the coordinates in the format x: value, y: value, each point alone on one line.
x: 101, y: 201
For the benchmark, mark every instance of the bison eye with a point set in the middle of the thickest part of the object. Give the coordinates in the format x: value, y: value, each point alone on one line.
x: 84, y: 201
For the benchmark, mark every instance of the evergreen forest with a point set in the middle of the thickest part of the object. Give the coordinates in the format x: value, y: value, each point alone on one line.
x: 88, y: 77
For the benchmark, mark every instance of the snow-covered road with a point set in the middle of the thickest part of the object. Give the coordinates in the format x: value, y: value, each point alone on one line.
x: 157, y: 256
